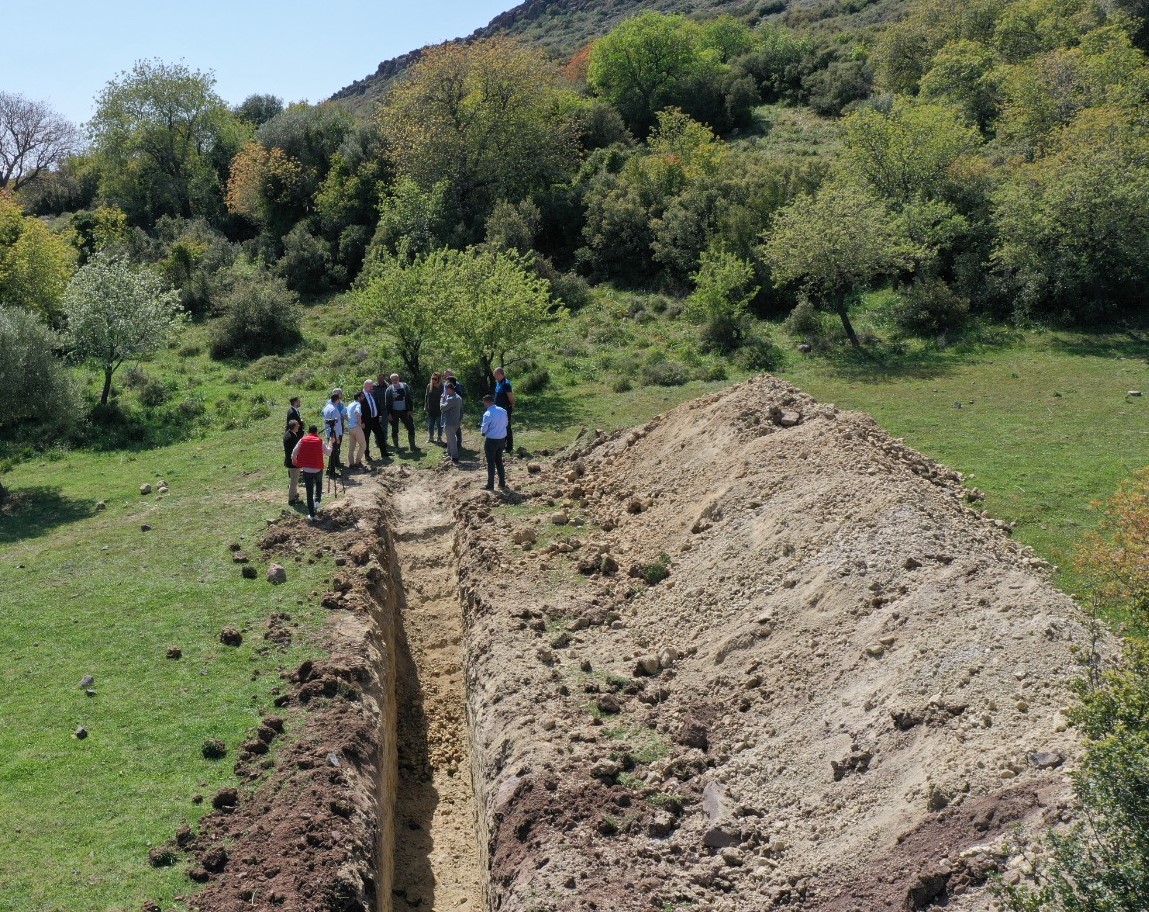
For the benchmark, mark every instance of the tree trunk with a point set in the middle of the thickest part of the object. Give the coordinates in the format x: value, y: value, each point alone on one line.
x: 107, y: 385
x: 3, y: 492
x: 843, y: 313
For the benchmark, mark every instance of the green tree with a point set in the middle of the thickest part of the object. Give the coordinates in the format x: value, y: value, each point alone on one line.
x: 410, y: 301
x: 412, y: 221
x: 489, y: 121
x: 35, y: 263
x: 164, y: 138
x: 650, y: 62
x: 723, y: 289
x: 1073, y: 227
x: 501, y: 306
x: 115, y: 312
x: 835, y: 243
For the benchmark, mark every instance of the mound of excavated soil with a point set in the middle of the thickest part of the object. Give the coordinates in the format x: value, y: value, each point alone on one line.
x: 844, y: 690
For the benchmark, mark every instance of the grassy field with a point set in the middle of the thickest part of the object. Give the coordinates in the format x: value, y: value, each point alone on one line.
x: 1044, y: 427
x: 89, y: 593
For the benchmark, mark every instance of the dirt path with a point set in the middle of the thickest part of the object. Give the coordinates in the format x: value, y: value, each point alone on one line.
x: 436, y: 849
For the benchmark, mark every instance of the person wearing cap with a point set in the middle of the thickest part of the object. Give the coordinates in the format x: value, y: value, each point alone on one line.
x: 494, y: 431
x: 333, y: 413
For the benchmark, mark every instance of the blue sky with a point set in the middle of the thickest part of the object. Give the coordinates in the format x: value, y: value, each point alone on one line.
x: 64, y: 52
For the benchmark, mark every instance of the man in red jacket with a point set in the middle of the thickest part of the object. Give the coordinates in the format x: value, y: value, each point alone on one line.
x: 308, y: 456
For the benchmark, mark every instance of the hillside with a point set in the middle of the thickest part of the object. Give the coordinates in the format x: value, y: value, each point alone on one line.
x: 563, y: 26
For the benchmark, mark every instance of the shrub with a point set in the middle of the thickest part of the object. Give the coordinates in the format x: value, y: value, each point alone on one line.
x: 929, y: 308
x: 665, y: 373
x: 189, y: 350
x: 535, y: 380
x: 306, y: 261
x: 656, y: 571
x: 804, y: 320
x: 272, y: 367
x: 135, y: 377
x: 191, y: 408
x: 758, y: 352
x: 623, y: 385
x: 724, y: 287
x: 154, y: 393
x: 35, y: 382
x: 261, y: 317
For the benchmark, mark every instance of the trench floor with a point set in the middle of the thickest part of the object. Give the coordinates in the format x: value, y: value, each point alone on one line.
x: 436, y: 858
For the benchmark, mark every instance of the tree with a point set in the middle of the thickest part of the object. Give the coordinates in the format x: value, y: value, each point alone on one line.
x: 259, y: 109
x: 33, y: 139
x: 1073, y: 227
x: 491, y: 120
x: 160, y: 130
x: 410, y: 301
x: 834, y: 243
x: 906, y: 154
x: 650, y: 62
x: 724, y: 287
x: 116, y: 312
x: 34, y: 380
x: 35, y: 263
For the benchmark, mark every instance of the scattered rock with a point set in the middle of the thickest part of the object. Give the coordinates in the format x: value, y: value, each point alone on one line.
x: 635, y: 506
x: 87, y: 681
x: 560, y: 518
x: 101, y: 505
x: 646, y: 665
x: 249, y: 572
x: 162, y: 857
x: 239, y: 557
x: 145, y: 488
x: 81, y: 733
x: 667, y: 657
x: 534, y: 468
x: 174, y: 652
x: 911, y: 563
x: 215, y: 859
x: 1133, y: 393
x: 608, y: 703
x: 276, y: 574
x: 1046, y: 759
x: 229, y: 636
x: 694, y: 733
x: 144, y: 527
x: 606, y: 770
x: 525, y: 536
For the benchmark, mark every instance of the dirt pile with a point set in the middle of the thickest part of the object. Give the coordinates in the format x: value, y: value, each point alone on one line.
x: 757, y: 653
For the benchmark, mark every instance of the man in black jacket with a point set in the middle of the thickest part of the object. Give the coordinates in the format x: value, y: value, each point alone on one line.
x: 371, y: 422
x: 398, y: 402
x: 293, y: 413
x: 378, y: 394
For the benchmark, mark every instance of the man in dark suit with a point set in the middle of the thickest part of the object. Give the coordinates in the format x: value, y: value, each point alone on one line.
x: 371, y: 422
x: 293, y: 413
x: 378, y: 393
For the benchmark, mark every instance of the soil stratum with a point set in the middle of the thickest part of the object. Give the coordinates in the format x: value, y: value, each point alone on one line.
x: 753, y: 654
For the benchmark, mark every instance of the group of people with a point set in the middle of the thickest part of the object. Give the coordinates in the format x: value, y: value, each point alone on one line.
x: 390, y: 402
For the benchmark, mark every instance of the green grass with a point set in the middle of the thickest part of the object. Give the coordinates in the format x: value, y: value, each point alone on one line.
x: 90, y: 593
x: 1045, y: 428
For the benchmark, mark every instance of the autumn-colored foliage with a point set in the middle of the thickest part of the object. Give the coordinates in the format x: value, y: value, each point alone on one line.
x: 260, y: 180
x: 576, y: 68
x: 1116, y: 556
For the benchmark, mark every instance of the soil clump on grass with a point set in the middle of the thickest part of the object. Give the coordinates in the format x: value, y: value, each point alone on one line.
x: 302, y: 833
x: 756, y: 653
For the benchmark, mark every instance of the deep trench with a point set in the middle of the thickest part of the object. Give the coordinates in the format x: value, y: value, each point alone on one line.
x: 435, y: 857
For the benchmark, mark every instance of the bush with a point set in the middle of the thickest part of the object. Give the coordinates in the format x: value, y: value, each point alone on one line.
x: 623, y: 385
x: 272, y: 367
x: 191, y: 408
x: 305, y: 263
x: 35, y: 382
x: 154, y: 393
x: 534, y: 381
x: 930, y: 308
x: 189, y: 350
x: 656, y: 571
x: 261, y: 317
x: 665, y: 373
x: 758, y: 352
x: 805, y: 320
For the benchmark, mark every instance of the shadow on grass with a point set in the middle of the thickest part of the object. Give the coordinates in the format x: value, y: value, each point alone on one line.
x: 885, y: 360
x: 551, y: 411
x: 1129, y: 343
x: 32, y: 512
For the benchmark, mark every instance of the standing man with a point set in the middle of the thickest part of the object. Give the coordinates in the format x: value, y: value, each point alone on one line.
x: 370, y: 419
x: 398, y: 403
x: 333, y: 426
x: 293, y: 412
x: 505, y: 399
x: 378, y: 397
x: 449, y: 375
x: 494, y: 431
x: 308, y: 458
x: 451, y: 412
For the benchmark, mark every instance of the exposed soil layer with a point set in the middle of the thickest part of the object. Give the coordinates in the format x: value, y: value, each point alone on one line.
x: 303, y: 836
x: 756, y: 653
x: 436, y: 857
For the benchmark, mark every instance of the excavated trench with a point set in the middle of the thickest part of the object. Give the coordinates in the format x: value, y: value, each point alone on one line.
x: 431, y: 856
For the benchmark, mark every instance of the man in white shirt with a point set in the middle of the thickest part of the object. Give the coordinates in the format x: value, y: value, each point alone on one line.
x: 494, y: 431
x: 333, y: 413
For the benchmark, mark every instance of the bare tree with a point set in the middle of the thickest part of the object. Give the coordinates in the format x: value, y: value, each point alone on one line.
x: 33, y: 138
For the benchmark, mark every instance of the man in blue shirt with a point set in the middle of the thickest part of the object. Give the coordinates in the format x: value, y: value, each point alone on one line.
x: 494, y: 431
x: 505, y: 399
